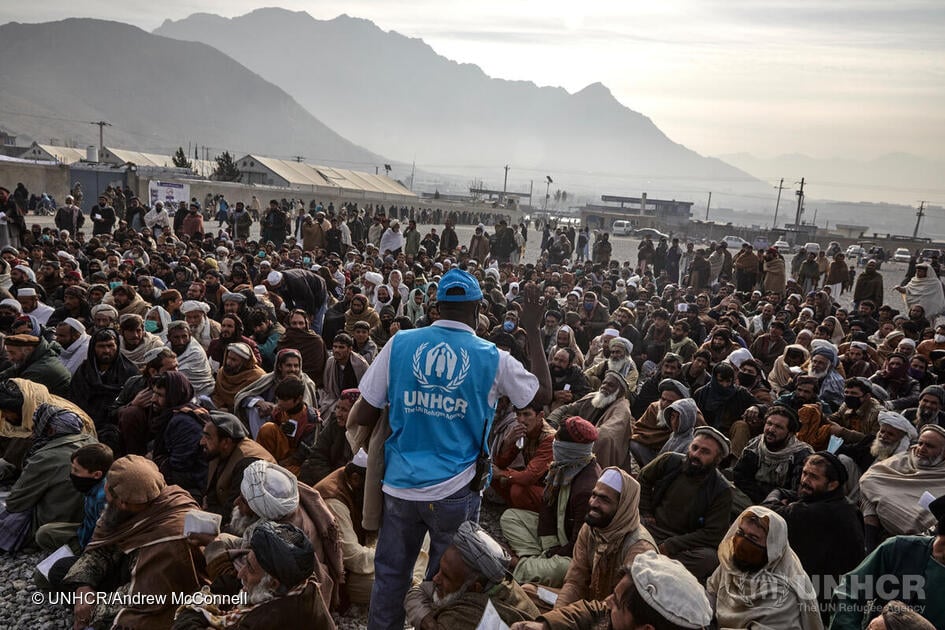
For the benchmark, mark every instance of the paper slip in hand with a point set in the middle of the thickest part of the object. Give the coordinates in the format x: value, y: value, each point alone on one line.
x: 835, y: 443
x: 491, y: 619
x: 47, y: 563
x: 926, y: 499
x: 199, y: 522
x: 549, y: 597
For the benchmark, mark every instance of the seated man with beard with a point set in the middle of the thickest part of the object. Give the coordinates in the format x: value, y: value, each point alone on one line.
x: 825, y: 529
x: 255, y: 404
x: 239, y: 371
x: 611, y: 537
x: 823, y: 367
x: 608, y: 410
x: 473, y: 572
x: 291, y: 432
x: 332, y: 449
x: 773, y: 459
x: 135, y: 341
x: 651, y: 430
x: 755, y: 561
x: 360, y: 311
x: 543, y: 542
x: 895, y: 436
x: 269, y: 492
x: 669, y: 368
x: 202, y: 328
x: 191, y: 358
x: 277, y: 580
x: 231, y: 331
x: 343, y: 370
x: 229, y: 449
x: 891, y: 489
x: 567, y: 380
x: 619, y: 361
x: 132, y: 408
x: 179, y: 425
x: 930, y: 407
x: 858, y: 416
x: 300, y: 336
x: 140, y: 534
x: 685, y: 501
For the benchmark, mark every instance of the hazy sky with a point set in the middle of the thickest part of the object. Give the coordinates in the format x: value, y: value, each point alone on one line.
x: 838, y: 78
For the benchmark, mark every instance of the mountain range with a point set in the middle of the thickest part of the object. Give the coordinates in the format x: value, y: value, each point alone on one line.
x: 396, y: 95
x: 156, y: 92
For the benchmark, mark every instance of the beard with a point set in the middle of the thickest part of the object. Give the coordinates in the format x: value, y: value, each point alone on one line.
x: 695, y: 468
x: 617, y: 365
x: 445, y: 600
x: 263, y: 591
x: 601, y: 401
x: 557, y: 372
x: 881, y: 451
x: 926, y: 462
x: 600, y: 522
x: 816, y: 373
x: 239, y: 523
x: 113, y: 517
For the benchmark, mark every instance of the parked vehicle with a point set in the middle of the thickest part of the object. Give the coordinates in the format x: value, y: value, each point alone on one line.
x: 652, y: 233
x: 929, y: 253
x: 734, y: 243
x: 812, y: 247
x: 622, y: 228
x: 783, y: 247
x: 902, y: 255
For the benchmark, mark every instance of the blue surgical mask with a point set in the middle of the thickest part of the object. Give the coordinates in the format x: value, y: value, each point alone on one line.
x: 150, y: 325
x: 508, y: 326
x: 114, y: 285
x: 307, y: 260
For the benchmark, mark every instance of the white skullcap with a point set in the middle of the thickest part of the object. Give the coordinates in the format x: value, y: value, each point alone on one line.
x: 612, y: 479
x: 29, y: 272
x: 737, y: 357
x: 271, y: 491
x: 565, y: 328
x: 74, y: 324
x: 274, y: 278
x: 26, y: 292
x: 373, y: 277
x: 194, y: 305
x: 907, y: 341
x: 260, y: 289
x: 360, y: 458
x: 671, y: 590
x: 611, y: 332
x: 12, y: 304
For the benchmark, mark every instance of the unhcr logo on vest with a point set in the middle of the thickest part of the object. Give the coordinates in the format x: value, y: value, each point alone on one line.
x: 440, y: 372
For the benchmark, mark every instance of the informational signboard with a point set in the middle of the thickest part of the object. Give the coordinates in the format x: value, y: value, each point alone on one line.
x: 170, y: 193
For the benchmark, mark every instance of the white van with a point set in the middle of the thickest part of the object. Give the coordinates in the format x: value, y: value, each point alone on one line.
x: 622, y: 228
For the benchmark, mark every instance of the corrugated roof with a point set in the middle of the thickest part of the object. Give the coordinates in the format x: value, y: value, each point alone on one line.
x: 303, y: 174
x: 63, y: 155
x: 123, y: 156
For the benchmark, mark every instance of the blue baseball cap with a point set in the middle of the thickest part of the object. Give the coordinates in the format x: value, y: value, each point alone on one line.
x: 457, y: 278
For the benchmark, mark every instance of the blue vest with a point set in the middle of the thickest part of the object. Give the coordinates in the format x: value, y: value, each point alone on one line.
x: 438, y: 392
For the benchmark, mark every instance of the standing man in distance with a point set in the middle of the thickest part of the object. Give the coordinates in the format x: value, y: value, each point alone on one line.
x: 440, y: 407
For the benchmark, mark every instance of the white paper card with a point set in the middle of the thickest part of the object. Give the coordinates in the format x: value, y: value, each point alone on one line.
x: 46, y: 563
x: 199, y: 522
x: 491, y: 619
x: 835, y: 442
x: 549, y: 597
x: 926, y: 499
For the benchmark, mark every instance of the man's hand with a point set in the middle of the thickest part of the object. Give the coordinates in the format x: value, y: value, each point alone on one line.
x: 515, y: 433
x: 265, y: 409
x: 835, y: 428
x: 200, y: 540
x: 143, y: 399
x: 751, y: 416
x: 533, y: 310
x: 528, y: 625
x: 564, y: 396
x: 82, y: 612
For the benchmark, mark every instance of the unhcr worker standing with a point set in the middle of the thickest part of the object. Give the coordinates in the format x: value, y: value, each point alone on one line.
x: 442, y: 383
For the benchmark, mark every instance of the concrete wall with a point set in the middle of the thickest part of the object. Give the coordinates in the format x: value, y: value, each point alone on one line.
x: 38, y: 178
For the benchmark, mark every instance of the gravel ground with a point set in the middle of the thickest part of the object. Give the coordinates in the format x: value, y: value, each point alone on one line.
x: 18, y: 593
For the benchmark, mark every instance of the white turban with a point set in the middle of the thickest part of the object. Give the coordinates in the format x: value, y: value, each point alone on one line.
x: 75, y: 324
x: 737, y: 357
x: 194, y: 305
x: 898, y: 421
x: 373, y: 277
x: 274, y: 278
x: 271, y: 491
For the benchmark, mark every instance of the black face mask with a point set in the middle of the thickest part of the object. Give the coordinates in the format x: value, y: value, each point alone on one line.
x: 83, y: 484
x: 853, y: 402
x: 746, y: 380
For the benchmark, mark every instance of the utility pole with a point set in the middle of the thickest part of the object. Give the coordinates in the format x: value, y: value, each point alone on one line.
x: 777, y: 205
x: 800, y: 208
x: 548, y: 183
x: 413, y: 171
x: 101, y: 133
x: 815, y: 217
x: 505, y: 183
x: 918, y: 219
x: 707, y: 204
